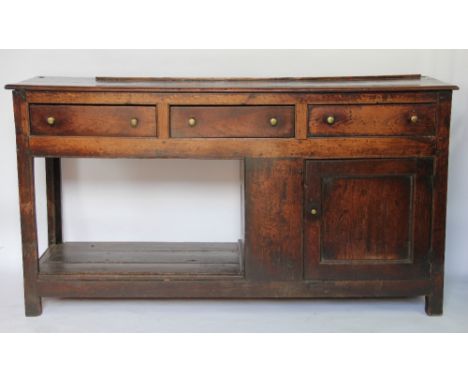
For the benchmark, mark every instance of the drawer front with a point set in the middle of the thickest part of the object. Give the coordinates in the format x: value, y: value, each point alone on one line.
x: 341, y: 120
x: 232, y: 121
x: 93, y: 120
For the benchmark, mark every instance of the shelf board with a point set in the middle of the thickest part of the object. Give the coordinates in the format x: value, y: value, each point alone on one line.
x: 145, y: 259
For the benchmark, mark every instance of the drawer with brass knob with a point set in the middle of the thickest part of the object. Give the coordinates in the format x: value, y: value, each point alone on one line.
x: 93, y: 120
x: 371, y: 120
x: 232, y: 121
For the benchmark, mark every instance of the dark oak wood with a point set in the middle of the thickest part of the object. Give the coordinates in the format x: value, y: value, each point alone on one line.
x: 356, y: 120
x: 232, y: 98
x: 434, y: 300
x: 366, y: 219
x: 93, y: 120
x: 54, y: 200
x: 86, y: 260
x: 32, y: 299
x: 232, y: 121
x: 376, y: 180
x: 305, y: 84
x: 372, y: 220
x: 135, y: 288
x: 273, y: 217
x: 229, y: 148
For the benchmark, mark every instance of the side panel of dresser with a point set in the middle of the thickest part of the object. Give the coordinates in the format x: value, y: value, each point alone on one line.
x: 434, y: 301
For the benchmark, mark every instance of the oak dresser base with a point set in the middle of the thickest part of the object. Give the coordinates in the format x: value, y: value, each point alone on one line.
x: 344, y: 185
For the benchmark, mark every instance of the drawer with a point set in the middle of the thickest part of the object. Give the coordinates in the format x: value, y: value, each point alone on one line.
x: 232, y: 121
x: 95, y: 120
x: 401, y: 119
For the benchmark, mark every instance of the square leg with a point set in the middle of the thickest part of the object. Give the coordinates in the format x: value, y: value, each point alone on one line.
x: 32, y: 304
x: 435, y: 302
x: 32, y: 299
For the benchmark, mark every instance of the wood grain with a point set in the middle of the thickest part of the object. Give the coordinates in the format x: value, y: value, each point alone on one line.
x: 377, y: 182
x: 232, y: 121
x: 219, y: 148
x: 27, y: 204
x: 93, y: 120
x: 54, y: 200
x: 372, y: 221
x: 214, y: 98
x: 355, y: 120
x: 434, y: 300
x: 366, y: 219
x: 68, y: 287
x: 273, y: 215
x: 88, y: 259
x: 305, y: 84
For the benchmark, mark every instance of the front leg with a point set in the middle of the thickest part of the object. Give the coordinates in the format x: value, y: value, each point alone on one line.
x: 27, y: 203
x: 435, y: 300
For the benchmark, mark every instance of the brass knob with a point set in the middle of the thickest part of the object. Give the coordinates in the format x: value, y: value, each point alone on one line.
x: 134, y: 122
x: 330, y: 119
x: 51, y: 121
x: 414, y: 118
x: 192, y: 122
x: 273, y: 121
x: 313, y: 211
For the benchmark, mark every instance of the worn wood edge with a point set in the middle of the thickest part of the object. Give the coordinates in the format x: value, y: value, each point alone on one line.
x: 285, y: 89
x: 121, y: 277
x: 123, y: 266
x: 104, y: 83
x: 105, y: 245
x: 390, y: 77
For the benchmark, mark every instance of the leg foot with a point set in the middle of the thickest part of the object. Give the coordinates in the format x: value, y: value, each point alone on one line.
x: 33, y: 306
x: 434, y: 304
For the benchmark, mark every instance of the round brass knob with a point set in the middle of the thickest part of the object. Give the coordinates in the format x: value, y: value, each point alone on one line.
x: 273, y: 121
x: 414, y: 118
x: 134, y: 122
x: 192, y: 122
x: 330, y: 119
x: 50, y: 121
x: 313, y: 211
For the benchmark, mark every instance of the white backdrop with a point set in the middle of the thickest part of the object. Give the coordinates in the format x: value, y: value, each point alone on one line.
x: 183, y: 200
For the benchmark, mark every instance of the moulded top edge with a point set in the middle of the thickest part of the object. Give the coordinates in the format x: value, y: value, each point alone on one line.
x: 408, y: 82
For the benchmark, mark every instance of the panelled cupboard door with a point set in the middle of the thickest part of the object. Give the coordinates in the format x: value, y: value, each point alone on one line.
x: 367, y: 219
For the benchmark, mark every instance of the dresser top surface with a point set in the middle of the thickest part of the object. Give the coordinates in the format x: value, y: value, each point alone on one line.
x: 412, y: 82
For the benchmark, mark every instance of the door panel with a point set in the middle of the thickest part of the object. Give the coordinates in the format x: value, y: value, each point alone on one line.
x: 367, y: 219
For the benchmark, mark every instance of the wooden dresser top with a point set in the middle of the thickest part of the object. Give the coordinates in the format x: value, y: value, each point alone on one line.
x: 413, y: 82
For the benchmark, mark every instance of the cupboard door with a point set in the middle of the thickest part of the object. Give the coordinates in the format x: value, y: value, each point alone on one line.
x: 367, y: 219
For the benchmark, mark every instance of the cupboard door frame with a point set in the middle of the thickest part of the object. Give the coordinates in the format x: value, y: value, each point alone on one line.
x: 418, y: 171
